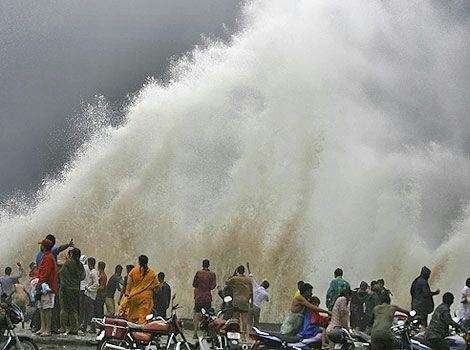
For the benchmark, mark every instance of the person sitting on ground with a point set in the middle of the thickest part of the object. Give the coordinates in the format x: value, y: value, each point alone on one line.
x: 441, y: 319
x: 70, y: 276
x: 293, y: 320
x: 115, y: 282
x: 162, y: 296
x: 337, y: 286
x: 242, y: 293
x: 382, y: 337
x: 339, y: 318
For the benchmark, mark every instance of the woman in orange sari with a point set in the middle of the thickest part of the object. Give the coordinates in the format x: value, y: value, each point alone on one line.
x: 138, y: 300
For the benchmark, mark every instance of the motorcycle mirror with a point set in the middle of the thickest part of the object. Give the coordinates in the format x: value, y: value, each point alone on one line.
x: 228, y: 299
x: 412, y: 313
x: 203, y: 311
x: 149, y: 317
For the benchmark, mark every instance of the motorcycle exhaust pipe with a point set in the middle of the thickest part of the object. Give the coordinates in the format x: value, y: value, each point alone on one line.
x: 114, y: 347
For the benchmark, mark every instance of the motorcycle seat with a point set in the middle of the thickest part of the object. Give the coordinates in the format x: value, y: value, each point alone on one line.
x: 287, y: 338
x: 134, y: 326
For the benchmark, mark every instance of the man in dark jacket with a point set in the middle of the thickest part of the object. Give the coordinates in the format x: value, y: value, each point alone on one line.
x: 421, y: 296
x: 162, y: 296
x: 440, y: 322
x: 71, y: 274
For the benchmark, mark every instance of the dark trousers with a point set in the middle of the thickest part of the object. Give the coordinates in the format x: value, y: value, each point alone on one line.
x: 439, y: 344
x: 81, y: 307
x: 99, y: 307
x: 160, y: 312
x: 88, y: 313
x: 382, y: 344
x: 69, y: 300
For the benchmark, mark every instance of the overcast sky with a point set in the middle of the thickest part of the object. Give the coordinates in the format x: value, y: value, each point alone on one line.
x: 54, y: 55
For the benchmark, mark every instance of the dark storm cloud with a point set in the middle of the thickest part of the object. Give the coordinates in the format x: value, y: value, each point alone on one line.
x: 56, y: 54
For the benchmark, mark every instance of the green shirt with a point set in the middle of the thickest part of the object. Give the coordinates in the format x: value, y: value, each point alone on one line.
x: 383, y: 321
x: 337, y: 286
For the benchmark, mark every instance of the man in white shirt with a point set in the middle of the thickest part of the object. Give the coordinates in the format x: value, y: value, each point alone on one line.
x: 91, y: 289
x: 259, y: 295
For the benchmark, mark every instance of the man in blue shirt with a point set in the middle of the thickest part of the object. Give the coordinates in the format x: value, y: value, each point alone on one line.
x: 56, y: 250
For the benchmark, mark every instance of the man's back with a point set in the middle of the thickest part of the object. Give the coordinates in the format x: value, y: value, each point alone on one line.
x: 440, y: 322
x: 163, y: 296
x: 204, y: 282
x: 113, y: 285
x: 421, y: 297
x: 337, y: 286
x: 242, y: 287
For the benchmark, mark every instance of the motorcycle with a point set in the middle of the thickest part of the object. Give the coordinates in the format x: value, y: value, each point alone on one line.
x: 272, y: 340
x: 408, y: 336
x: 119, y: 334
x: 11, y: 340
x: 219, y: 333
x: 346, y: 340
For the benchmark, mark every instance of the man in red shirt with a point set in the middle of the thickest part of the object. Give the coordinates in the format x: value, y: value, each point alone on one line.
x: 204, y: 282
x: 47, y: 284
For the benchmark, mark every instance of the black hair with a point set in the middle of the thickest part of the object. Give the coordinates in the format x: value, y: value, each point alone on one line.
x: 381, y: 281
x: 384, y: 298
x: 143, y: 261
x: 316, y: 300
x: 300, y: 284
x: 118, y: 269
x: 346, y: 293
x: 206, y: 263
x: 448, y: 298
x: 8, y: 270
x: 241, y: 269
x: 161, y: 276
x: 101, y: 265
x: 467, y: 283
x: 265, y: 284
x: 51, y: 238
x: 305, y: 288
x: 75, y: 253
x: 91, y: 262
x: 373, y: 283
x: 129, y: 268
x: 338, y: 272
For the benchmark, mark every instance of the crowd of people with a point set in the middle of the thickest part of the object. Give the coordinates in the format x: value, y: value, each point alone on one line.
x: 69, y: 294
x: 368, y: 308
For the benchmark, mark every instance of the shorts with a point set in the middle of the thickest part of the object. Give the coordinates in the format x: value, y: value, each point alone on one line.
x: 207, y: 305
x: 47, y: 301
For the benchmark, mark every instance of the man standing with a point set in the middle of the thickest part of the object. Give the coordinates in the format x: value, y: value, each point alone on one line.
x: 162, y: 296
x: 337, y: 286
x: 91, y: 290
x: 47, y: 283
x: 204, y: 282
x: 242, y: 293
x: 114, y: 283
x: 101, y: 292
x: 55, y: 250
x: 439, y: 326
x: 259, y: 296
x: 71, y: 274
x: 421, y: 296
x: 8, y: 281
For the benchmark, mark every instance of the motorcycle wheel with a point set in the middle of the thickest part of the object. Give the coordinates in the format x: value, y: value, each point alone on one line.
x: 26, y: 344
x: 101, y: 345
